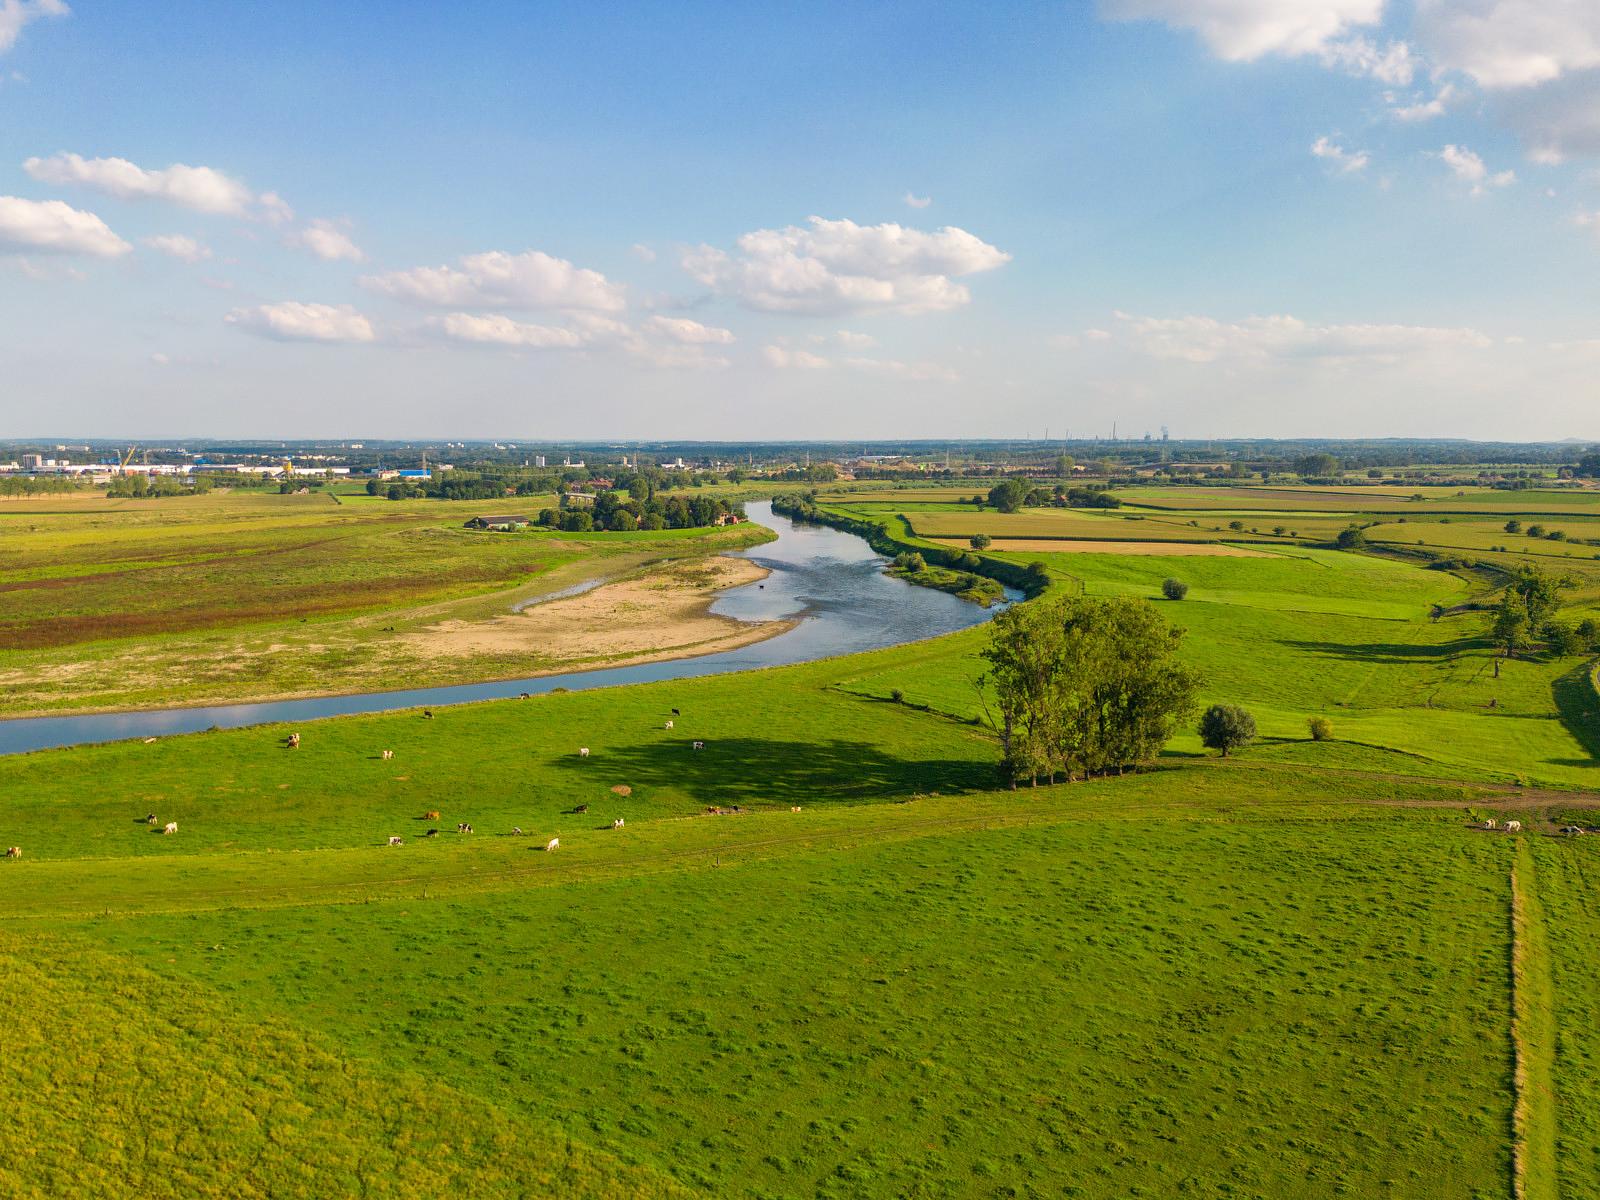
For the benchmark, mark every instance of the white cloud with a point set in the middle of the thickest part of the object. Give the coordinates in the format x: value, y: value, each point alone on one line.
x: 177, y: 245
x: 785, y: 359
x: 1344, y: 161
x: 1261, y: 340
x: 1245, y: 30
x: 1426, y: 110
x: 1510, y: 43
x: 203, y: 189
x: 840, y: 267
x: 292, y: 321
x: 327, y: 241
x: 500, y: 280
x: 1469, y: 168
x: 681, y: 329
x: 675, y: 356
x: 847, y: 338
x: 643, y: 253
x: 274, y: 209
x: 51, y: 226
x: 1394, y: 63
x: 15, y: 15
x: 916, y: 201
x: 497, y: 330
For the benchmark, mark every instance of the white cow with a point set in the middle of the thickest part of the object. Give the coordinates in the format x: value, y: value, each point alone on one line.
x: 388, y: 754
x: 553, y: 844
x: 1491, y: 823
x: 394, y: 841
x: 583, y: 752
x: 618, y: 823
x: 171, y: 827
x: 669, y: 724
x: 1513, y: 826
x: 13, y: 851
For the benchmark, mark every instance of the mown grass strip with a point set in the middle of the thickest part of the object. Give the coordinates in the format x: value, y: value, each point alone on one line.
x: 1533, y: 1037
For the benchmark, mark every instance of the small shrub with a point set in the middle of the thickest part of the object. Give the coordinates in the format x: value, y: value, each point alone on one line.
x: 911, y: 562
x: 1226, y: 727
x: 1350, y: 539
x: 980, y: 541
x: 1513, y: 526
x: 898, y: 696
x: 1174, y: 589
x: 1321, y: 728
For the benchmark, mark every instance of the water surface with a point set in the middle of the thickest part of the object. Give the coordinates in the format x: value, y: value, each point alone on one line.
x: 831, y: 582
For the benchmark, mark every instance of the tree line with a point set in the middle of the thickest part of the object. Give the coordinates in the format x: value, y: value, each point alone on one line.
x: 611, y: 511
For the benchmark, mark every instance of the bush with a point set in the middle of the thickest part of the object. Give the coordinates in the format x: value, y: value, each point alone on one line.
x: 980, y: 541
x: 1236, y: 526
x: 1350, y: 539
x: 1321, y: 728
x: 911, y: 562
x: 897, y: 696
x: 1589, y: 632
x: 1226, y: 727
x: 1174, y: 589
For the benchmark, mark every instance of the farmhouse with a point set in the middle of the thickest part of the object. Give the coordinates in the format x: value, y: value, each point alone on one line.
x: 501, y: 524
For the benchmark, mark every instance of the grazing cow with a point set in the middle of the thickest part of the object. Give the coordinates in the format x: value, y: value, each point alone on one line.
x: 795, y: 808
x: 427, y: 714
x: 699, y: 745
x: 617, y: 824
x: 523, y: 696
x: 676, y: 713
x: 150, y: 818
x: 431, y: 815
x: 516, y: 831
x: 171, y: 827
x: 1571, y: 830
x: 582, y: 808
x: 431, y: 833
x: 394, y: 841
x: 147, y: 741
x: 13, y: 851
x: 388, y: 754
x: 463, y: 827
x: 583, y: 752
x: 553, y: 844
x: 669, y: 724
x: 1513, y: 826
x: 293, y: 741
x: 1490, y: 824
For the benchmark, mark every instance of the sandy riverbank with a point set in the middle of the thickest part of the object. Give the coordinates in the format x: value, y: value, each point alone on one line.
x: 662, y: 615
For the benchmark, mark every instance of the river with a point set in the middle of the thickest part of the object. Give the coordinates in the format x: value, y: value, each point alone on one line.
x: 831, y: 581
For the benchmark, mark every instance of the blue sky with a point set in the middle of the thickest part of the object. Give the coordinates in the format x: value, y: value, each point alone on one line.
x: 1228, y: 217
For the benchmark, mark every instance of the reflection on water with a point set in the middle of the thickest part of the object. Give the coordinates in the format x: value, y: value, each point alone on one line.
x: 830, y: 580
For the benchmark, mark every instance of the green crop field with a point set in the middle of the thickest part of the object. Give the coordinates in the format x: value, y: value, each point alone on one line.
x: 1303, y: 971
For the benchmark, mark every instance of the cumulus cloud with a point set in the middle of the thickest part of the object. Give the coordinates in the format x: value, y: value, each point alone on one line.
x: 532, y: 280
x: 916, y: 201
x: 681, y: 329
x: 203, y: 189
x: 177, y: 245
x: 1425, y: 110
x: 494, y: 329
x: 1245, y: 30
x: 1469, y: 168
x: 274, y: 208
x: 292, y: 321
x: 15, y: 15
x: 1342, y: 160
x: 1262, y: 340
x: 1511, y: 43
x: 847, y: 338
x: 54, y: 227
x: 785, y: 359
x: 1394, y: 63
x: 643, y: 253
x: 841, y: 267
x: 327, y: 241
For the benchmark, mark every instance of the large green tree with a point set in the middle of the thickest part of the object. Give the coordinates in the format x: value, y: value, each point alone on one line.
x: 1008, y: 495
x: 1084, y: 686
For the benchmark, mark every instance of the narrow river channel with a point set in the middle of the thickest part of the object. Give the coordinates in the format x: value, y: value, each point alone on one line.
x: 832, y: 581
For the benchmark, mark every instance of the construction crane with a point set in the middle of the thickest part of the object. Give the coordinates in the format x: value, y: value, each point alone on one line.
x: 288, y: 469
x: 128, y: 457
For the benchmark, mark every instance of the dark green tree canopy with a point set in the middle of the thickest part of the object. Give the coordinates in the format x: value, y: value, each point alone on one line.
x: 1227, y: 727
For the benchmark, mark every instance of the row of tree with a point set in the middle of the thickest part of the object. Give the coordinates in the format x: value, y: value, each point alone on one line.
x: 1083, y: 686
x: 1009, y: 495
x: 611, y: 512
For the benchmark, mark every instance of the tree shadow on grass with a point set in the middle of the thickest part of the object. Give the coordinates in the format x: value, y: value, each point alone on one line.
x: 756, y: 770
x: 1579, y: 707
x: 1389, y: 652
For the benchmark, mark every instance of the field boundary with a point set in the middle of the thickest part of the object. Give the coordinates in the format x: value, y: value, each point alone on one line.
x: 1532, y: 1038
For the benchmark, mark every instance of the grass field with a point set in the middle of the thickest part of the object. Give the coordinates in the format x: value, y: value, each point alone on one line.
x: 231, y: 596
x: 1300, y: 972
